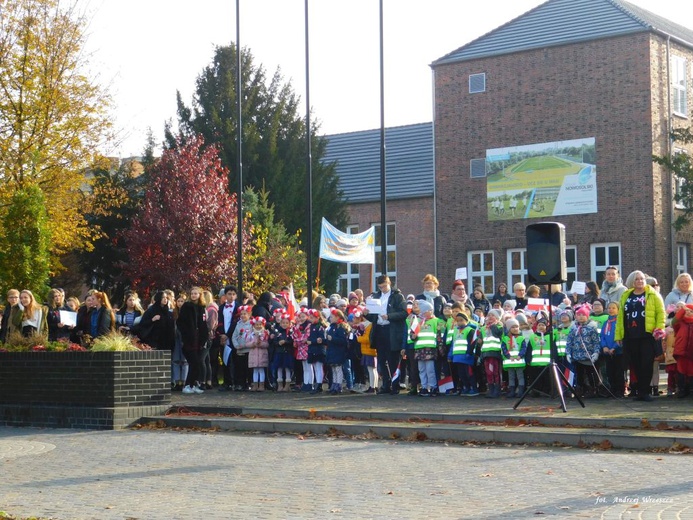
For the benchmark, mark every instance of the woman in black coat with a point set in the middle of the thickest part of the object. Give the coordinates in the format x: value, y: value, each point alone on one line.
x: 157, y: 328
x: 263, y: 307
x: 194, y: 333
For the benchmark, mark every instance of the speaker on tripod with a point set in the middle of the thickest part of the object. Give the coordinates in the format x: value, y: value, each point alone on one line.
x: 546, y: 265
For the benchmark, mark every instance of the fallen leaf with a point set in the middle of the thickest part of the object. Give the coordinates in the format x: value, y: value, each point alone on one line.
x: 487, y: 475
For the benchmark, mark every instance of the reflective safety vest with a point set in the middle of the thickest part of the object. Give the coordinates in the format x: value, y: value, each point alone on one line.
x: 514, y: 352
x: 561, y: 336
x: 427, y: 335
x: 541, y: 354
x: 461, y: 340
x: 491, y: 343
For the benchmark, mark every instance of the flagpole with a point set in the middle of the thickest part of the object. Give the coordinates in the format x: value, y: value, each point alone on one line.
x: 309, y: 177
x: 239, y: 149
x: 383, y: 216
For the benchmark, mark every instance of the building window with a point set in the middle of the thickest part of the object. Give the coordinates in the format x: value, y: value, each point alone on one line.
x: 390, y: 250
x: 681, y: 258
x: 477, y: 168
x: 517, y: 267
x: 678, y: 85
x: 477, y: 83
x: 680, y: 157
x: 604, y: 255
x: 348, y: 272
x: 480, y: 271
x: 571, y: 265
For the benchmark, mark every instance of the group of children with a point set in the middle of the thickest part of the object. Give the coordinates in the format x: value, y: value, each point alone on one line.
x: 499, y: 353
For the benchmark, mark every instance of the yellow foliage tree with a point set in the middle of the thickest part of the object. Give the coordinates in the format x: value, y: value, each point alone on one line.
x: 52, y: 116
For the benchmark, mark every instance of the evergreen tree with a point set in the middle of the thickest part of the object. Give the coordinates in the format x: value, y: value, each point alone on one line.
x: 25, y: 247
x: 682, y: 167
x: 274, y: 142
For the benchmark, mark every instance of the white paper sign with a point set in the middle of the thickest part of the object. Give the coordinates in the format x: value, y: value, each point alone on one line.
x: 461, y: 273
x: 68, y: 318
x: 375, y: 306
x: 578, y: 287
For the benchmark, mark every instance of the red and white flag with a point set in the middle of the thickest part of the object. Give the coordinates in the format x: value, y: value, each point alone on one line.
x: 537, y: 304
x: 445, y: 384
x: 291, y: 303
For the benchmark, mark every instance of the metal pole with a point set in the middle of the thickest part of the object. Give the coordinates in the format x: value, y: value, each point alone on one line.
x: 239, y: 147
x: 309, y: 176
x: 383, y: 216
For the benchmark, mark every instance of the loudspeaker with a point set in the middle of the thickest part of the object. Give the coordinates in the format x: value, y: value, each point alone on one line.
x: 546, y: 253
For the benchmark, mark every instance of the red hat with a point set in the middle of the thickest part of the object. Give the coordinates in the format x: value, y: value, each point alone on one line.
x: 583, y: 310
x: 315, y: 313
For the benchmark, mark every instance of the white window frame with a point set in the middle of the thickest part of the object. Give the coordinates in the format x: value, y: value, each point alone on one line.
x: 594, y: 268
x: 522, y: 272
x: 679, y: 83
x: 482, y: 274
x: 678, y: 182
x: 681, y: 258
x: 571, y: 269
x: 352, y: 270
x: 391, y: 272
x: 474, y: 78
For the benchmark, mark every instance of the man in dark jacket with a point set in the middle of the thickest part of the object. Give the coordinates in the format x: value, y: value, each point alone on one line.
x: 388, y: 332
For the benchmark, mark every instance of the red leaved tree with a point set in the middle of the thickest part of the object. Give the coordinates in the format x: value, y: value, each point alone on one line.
x: 186, y: 232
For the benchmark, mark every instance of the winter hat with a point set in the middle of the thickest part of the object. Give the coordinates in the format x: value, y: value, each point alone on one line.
x: 352, y: 295
x: 424, y: 306
x: 333, y: 299
x: 411, y: 297
x: 511, y: 303
x: 340, y: 303
x: 583, y: 310
x: 462, y: 315
x: 521, y: 318
x: 542, y: 317
x: 495, y: 312
x: 567, y: 312
x: 512, y: 322
x: 600, y: 300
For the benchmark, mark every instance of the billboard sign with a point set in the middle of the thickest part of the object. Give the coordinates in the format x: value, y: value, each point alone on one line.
x: 542, y: 180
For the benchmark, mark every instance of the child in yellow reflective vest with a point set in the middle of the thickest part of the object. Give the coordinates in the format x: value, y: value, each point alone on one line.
x: 464, y: 340
x: 539, y: 353
x: 513, y: 348
x: 491, y: 335
x: 425, y: 349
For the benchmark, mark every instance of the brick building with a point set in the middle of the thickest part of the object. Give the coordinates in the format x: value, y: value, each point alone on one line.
x: 409, y: 189
x: 593, y: 71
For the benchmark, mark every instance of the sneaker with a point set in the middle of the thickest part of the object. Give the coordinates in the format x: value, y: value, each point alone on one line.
x: 188, y: 390
x: 472, y: 392
x: 197, y: 390
x: 425, y: 393
x: 370, y: 390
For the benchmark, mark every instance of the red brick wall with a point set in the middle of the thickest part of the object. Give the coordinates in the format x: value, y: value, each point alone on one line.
x: 414, y: 239
x: 599, y: 89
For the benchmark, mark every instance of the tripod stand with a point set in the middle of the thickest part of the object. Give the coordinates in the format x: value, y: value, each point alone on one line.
x: 557, y: 375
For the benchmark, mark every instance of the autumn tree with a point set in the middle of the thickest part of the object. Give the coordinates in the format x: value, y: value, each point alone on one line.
x: 276, y: 259
x: 24, y: 249
x: 52, y: 115
x: 185, y: 233
x: 274, y: 142
x: 682, y: 167
x: 110, y: 206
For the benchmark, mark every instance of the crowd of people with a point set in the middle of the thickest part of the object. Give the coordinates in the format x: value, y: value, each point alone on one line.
x: 609, y: 341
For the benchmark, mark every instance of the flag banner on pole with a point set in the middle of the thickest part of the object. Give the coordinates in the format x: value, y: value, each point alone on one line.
x: 397, y: 373
x: 338, y: 246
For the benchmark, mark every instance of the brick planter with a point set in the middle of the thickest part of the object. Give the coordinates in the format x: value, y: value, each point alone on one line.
x: 98, y: 390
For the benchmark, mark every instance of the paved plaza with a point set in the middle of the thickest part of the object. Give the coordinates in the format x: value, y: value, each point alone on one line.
x: 152, y: 474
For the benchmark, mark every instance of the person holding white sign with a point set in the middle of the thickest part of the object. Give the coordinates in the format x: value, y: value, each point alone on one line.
x: 388, y: 333
x: 56, y: 303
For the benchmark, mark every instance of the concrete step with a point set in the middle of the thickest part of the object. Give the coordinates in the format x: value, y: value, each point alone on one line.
x: 499, y: 429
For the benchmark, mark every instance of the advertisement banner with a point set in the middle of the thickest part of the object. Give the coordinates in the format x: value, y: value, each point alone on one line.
x: 542, y: 180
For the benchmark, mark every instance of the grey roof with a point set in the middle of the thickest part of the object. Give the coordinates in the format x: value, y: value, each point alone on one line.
x: 560, y: 22
x: 408, y: 162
